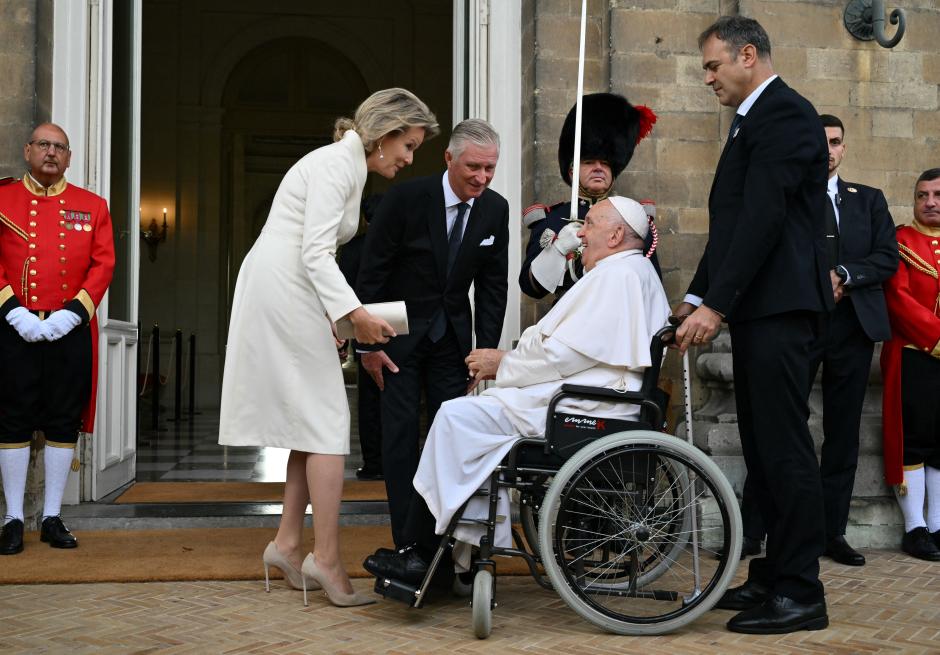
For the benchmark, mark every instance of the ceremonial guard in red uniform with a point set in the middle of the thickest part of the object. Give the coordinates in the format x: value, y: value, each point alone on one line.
x: 910, y: 365
x: 611, y: 129
x: 56, y: 262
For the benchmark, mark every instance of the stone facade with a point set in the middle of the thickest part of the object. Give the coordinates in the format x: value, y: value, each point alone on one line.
x: 26, y: 65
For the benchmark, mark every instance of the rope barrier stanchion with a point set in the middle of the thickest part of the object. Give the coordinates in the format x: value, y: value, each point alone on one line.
x: 192, y: 376
x: 155, y: 386
x: 143, y: 386
x: 178, y: 391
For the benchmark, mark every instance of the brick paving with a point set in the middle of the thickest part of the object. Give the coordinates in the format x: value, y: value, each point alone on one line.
x: 892, y: 605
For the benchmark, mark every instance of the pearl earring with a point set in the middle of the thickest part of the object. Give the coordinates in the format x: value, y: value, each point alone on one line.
x: 381, y: 156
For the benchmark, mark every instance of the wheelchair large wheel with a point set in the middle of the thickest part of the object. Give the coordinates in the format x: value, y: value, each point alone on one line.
x: 529, y: 518
x: 629, y: 530
x: 529, y: 514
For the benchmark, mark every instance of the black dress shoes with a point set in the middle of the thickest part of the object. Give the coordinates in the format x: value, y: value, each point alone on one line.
x: 840, y: 551
x: 54, y: 533
x: 779, y: 615
x: 936, y: 538
x: 917, y: 543
x: 748, y: 595
x: 405, y: 565
x: 11, y: 538
x: 368, y: 473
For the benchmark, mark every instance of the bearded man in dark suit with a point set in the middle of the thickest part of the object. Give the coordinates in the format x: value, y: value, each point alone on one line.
x: 764, y: 271
x: 430, y: 239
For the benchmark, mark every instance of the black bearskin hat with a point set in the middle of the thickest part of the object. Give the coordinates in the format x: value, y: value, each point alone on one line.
x: 610, y: 129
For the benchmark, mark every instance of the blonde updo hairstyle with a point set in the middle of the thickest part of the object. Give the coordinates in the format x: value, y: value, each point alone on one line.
x: 385, y: 112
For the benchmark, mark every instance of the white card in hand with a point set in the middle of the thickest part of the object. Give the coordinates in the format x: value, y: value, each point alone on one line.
x: 394, y: 312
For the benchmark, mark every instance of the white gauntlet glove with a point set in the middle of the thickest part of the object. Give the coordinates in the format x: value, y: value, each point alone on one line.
x: 60, y: 323
x: 26, y: 324
x: 568, y: 239
x: 548, y: 268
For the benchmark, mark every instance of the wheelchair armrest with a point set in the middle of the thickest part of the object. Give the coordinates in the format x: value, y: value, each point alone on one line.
x: 582, y: 391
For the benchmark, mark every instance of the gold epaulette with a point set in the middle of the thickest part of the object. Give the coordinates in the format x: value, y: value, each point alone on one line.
x: 917, y: 261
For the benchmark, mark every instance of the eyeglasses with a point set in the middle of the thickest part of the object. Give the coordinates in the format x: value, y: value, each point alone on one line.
x: 44, y: 145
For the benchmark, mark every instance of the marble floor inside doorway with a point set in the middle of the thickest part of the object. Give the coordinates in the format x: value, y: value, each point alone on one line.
x: 189, y: 451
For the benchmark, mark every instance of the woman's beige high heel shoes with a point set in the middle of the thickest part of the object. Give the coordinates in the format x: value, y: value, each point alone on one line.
x: 296, y: 579
x: 339, y: 598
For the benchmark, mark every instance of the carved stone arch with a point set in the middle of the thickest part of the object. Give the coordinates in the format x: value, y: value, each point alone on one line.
x: 331, y: 34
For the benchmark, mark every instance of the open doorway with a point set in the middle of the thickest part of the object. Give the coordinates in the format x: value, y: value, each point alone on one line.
x: 232, y: 94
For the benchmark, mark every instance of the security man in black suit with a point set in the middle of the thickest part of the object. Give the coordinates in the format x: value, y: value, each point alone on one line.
x: 764, y: 271
x: 429, y: 240
x: 863, y: 253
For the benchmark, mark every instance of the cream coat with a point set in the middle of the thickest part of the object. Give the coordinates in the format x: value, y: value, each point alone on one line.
x: 283, y: 385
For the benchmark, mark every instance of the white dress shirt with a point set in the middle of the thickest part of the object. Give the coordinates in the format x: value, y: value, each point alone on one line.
x: 450, y: 206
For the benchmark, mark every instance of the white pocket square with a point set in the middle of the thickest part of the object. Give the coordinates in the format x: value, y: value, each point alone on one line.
x: 488, y: 241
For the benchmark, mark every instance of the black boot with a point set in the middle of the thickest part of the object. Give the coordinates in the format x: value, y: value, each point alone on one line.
x: 11, y: 538
x: 54, y: 533
x: 839, y: 549
x: 917, y: 543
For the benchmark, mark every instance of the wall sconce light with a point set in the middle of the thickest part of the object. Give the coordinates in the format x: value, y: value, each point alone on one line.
x: 865, y: 20
x: 154, y: 235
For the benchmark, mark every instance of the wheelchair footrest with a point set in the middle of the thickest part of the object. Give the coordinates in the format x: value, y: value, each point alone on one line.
x: 397, y: 590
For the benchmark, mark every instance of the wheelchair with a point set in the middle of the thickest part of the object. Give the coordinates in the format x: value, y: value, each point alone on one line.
x: 637, y: 531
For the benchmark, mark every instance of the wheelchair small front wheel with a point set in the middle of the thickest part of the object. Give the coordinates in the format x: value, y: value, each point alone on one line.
x: 629, y: 529
x: 482, y: 604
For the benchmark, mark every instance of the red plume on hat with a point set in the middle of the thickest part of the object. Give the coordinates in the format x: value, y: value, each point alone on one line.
x: 610, y: 129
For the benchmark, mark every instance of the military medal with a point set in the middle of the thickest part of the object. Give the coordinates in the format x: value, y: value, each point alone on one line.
x: 87, y: 227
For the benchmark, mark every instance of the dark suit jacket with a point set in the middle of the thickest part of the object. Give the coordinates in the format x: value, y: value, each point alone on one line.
x: 405, y: 258
x: 868, y: 250
x: 766, y: 242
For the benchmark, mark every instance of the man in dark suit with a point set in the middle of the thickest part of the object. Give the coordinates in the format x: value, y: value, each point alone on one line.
x: 862, y: 254
x: 429, y: 240
x: 764, y: 272
x: 368, y: 404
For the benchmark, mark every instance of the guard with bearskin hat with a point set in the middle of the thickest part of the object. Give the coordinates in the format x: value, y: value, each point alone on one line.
x: 611, y: 129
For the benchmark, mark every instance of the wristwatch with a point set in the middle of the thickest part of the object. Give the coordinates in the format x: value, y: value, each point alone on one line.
x: 842, y: 273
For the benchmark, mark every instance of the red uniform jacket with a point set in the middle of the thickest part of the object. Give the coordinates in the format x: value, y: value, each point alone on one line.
x: 912, y: 294
x: 56, y: 252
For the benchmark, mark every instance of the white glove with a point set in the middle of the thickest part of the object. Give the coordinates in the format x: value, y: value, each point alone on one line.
x: 568, y: 239
x: 28, y: 325
x: 548, y: 269
x: 60, y: 323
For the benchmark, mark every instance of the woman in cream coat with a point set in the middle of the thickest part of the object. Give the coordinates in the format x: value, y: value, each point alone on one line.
x: 283, y: 385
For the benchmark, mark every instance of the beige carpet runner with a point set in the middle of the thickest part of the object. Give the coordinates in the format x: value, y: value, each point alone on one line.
x: 236, y: 492
x: 180, y: 554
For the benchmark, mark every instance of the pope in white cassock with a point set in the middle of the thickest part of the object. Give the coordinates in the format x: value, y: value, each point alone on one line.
x: 598, y: 335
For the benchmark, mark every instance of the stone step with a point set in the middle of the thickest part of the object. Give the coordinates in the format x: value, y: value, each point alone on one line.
x: 107, y: 516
